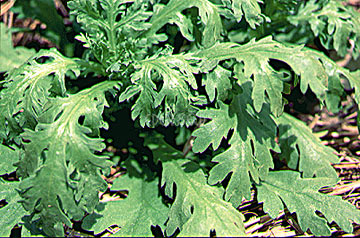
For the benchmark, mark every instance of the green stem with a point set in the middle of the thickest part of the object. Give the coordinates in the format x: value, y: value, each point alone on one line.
x: 110, y: 31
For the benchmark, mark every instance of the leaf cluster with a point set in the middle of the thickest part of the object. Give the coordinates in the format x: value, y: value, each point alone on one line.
x: 216, y: 70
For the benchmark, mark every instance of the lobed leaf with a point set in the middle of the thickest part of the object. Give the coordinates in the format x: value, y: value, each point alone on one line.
x: 60, y: 170
x: 248, y: 9
x: 333, y: 22
x: 312, y: 158
x: 175, y: 95
x: 214, y: 131
x: 198, y: 207
x: 336, y: 73
x: 301, y: 195
x: 249, y: 152
x: 26, y: 89
x: 112, y: 28
x: 172, y: 13
x: 218, y: 81
x: 10, y: 214
x: 141, y: 209
x: 255, y: 57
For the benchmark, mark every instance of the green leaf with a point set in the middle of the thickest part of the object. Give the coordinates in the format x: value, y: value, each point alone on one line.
x: 160, y: 149
x: 336, y: 73
x: 214, y: 131
x: 172, y: 13
x: 312, y: 158
x: 353, y: 78
x: 11, y: 57
x: 248, y: 8
x: 255, y: 57
x: 333, y: 96
x: 249, y: 152
x: 26, y: 89
x: 32, y: 232
x: 8, y: 157
x: 111, y: 28
x: 339, y: 72
x: 13, y: 211
x: 301, y: 195
x: 175, y: 97
x: 61, y: 171
x: 198, y: 208
x: 46, y: 12
x: 135, y: 215
x: 333, y: 22
x: 217, y: 81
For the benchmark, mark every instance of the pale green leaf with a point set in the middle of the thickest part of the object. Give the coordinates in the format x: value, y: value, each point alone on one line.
x: 214, y: 131
x: 248, y: 8
x: 61, y: 171
x: 11, y: 57
x: 185, y: 25
x: 301, y: 195
x: 217, y: 81
x: 313, y: 158
x: 172, y: 11
x: 112, y: 27
x: 26, y: 89
x: 13, y: 211
x: 198, y: 208
x: 8, y: 157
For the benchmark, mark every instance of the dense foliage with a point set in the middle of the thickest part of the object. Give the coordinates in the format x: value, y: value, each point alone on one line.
x: 208, y: 75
